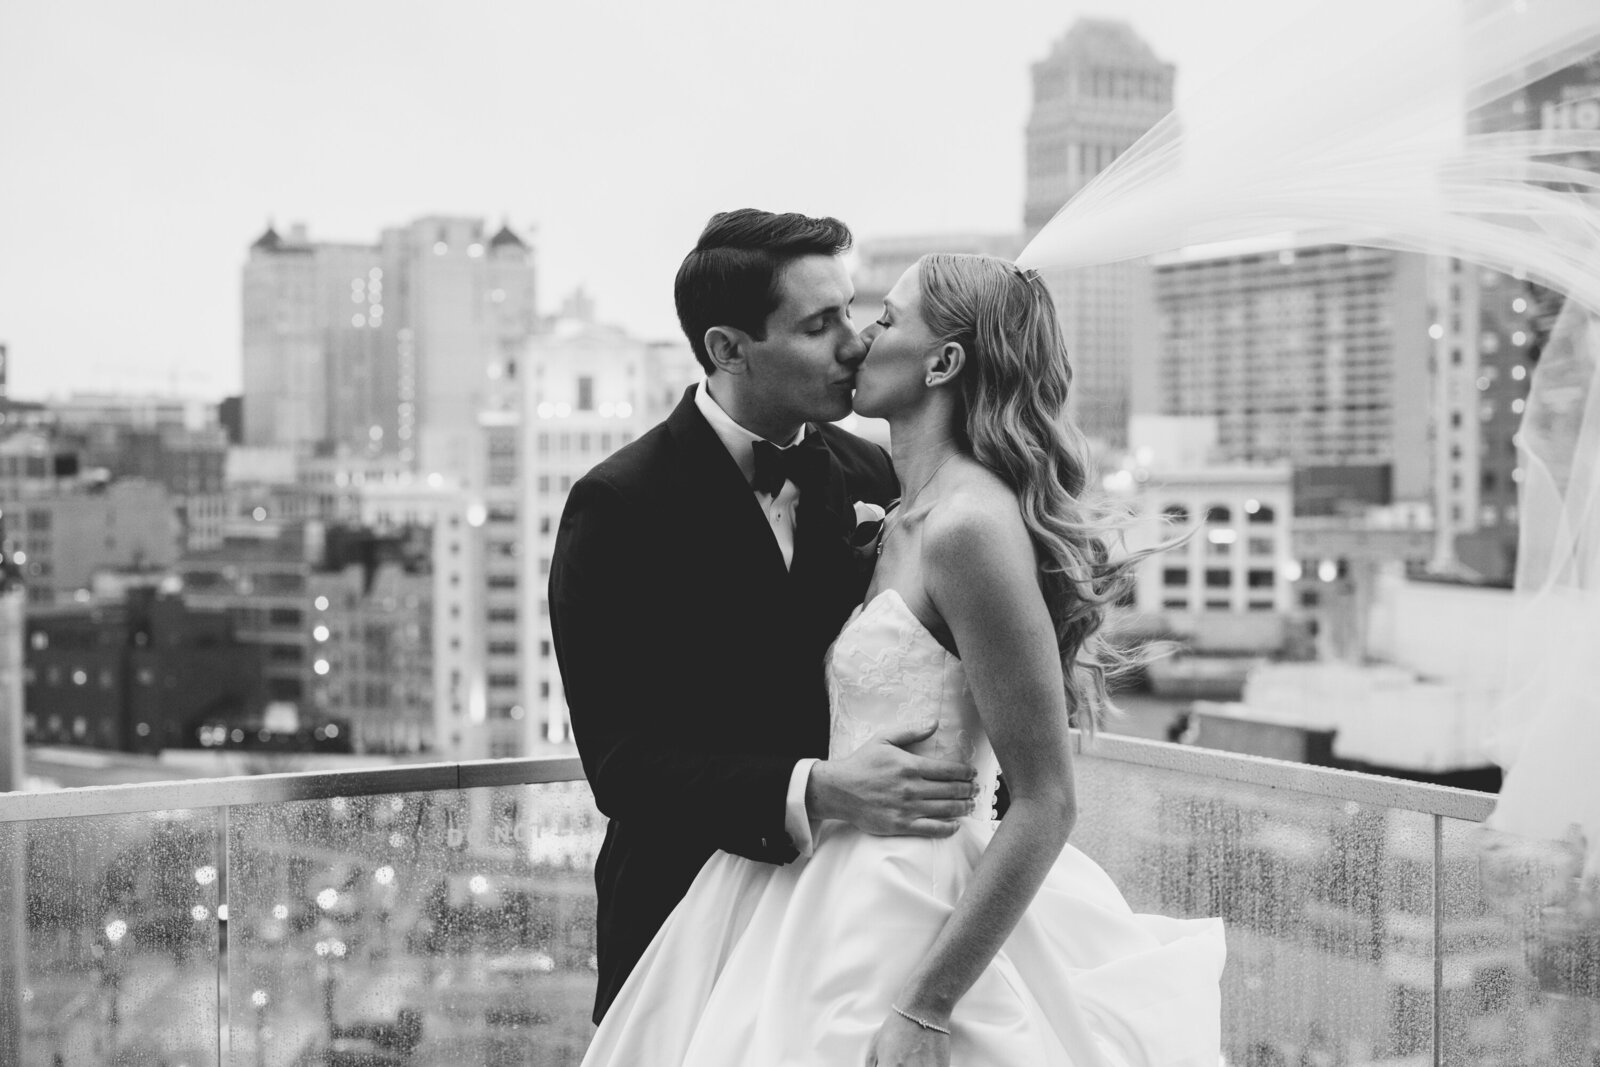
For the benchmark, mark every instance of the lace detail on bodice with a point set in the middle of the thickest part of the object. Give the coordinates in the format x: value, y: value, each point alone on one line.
x: 886, y: 670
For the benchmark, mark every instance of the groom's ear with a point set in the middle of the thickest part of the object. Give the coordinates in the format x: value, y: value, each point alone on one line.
x: 726, y: 345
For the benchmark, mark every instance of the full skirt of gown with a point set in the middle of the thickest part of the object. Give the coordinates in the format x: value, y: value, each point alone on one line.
x: 783, y: 966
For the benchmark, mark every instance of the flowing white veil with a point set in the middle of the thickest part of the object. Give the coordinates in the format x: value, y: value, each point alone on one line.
x: 1373, y: 143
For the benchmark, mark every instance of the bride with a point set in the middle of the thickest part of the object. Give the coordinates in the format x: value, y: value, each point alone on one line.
x: 1001, y: 946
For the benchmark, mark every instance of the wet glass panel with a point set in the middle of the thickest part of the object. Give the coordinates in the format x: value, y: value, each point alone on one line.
x: 1328, y: 906
x: 1522, y: 951
x: 424, y: 928
x: 111, y: 940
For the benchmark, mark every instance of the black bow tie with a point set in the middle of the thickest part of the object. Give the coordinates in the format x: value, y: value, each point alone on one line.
x: 804, y: 464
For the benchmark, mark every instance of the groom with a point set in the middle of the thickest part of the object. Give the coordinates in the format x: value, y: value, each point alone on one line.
x: 700, y: 574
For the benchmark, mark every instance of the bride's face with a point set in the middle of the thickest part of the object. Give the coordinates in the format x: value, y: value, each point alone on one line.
x: 900, y: 353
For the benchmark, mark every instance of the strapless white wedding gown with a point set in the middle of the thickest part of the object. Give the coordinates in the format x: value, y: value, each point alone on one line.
x: 782, y: 966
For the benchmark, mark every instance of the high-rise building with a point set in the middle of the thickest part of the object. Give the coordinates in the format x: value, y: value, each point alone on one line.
x: 1316, y: 357
x: 1097, y: 92
x: 591, y: 390
x: 576, y: 393
x: 385, y: 348
x: 1490, y: 330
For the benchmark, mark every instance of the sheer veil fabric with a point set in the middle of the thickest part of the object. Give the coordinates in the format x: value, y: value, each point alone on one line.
x: 1371, y: 142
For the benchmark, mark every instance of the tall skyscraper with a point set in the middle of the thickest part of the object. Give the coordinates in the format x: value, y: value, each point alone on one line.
x: 1490, y: 328
x: 382, y: 349
x: 1097, y: 92
x: 1316, y: 357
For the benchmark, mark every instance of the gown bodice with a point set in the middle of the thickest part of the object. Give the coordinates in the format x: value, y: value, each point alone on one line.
x: 885, y: 670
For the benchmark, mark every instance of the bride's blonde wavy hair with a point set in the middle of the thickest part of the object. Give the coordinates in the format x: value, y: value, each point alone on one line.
x: 1014, y: 389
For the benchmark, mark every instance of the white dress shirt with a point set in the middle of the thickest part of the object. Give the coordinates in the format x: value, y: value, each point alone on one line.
x: 780, y: 512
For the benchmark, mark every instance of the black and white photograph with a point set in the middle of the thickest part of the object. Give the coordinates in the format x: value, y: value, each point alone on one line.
x: 1058, y: 533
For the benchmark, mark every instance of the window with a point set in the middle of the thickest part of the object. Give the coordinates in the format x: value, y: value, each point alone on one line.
x: 1263, y: 514
x: 1259, y: 578
x: 1175, y: 513
x: 1218, y: 577
x: 585, y: 394
x: 1261, y: 546
x: 1175, y: 604
x: 1175, y: 576
x: 1218, y: 514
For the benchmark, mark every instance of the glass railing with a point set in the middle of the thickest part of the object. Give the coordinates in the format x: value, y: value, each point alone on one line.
x: 1366, y: 921
x: 444, y: 914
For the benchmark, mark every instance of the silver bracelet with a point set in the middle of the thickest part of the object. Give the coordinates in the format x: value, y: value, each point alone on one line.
x: 925, y: 1024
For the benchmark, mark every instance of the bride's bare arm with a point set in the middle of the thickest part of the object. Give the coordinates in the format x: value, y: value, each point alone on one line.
x: 980, y: 571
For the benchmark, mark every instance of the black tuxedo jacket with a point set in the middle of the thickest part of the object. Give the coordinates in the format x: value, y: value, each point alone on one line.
x: 693, y: 660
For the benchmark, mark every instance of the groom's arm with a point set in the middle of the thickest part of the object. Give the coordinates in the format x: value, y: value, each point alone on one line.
x: 633, y: 753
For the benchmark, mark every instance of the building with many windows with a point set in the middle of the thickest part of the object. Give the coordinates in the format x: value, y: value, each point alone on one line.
x: 592, y: 389
x: 372, y: 646
x: 386, y: 348
x: 261, y: 576
x: 139, y: 674
x: 1097, y: 92
x: 1312, y: 357
x: 63, y: 533
x: 1489, y: 331
x: 1228, y: 586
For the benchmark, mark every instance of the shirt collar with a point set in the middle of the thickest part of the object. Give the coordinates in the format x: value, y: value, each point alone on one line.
x: 740, y: 442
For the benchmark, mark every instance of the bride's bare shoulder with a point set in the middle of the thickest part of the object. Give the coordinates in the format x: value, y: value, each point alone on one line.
x: 978, y: 513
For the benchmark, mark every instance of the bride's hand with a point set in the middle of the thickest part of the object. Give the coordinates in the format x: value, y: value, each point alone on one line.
x: 902, y: 1043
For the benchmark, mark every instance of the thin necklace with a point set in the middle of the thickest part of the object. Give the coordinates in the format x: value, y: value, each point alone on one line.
x: 904, y: 503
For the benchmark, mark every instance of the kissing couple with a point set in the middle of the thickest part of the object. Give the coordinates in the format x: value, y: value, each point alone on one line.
x: 794, y: 719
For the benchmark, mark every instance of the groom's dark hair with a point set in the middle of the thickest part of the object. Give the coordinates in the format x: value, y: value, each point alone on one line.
x: 731, y: 276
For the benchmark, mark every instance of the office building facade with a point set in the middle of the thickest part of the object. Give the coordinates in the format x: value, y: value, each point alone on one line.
x: 1097, y: 92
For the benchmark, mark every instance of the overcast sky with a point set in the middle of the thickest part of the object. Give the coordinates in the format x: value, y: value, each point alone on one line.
x: 145, y: 143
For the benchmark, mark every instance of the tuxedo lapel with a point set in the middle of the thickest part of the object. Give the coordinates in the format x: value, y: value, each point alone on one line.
x: 821, y: 525
x: 729, y: 520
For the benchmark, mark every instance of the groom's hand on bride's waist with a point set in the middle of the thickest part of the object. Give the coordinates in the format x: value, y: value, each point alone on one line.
x: 883, y: 789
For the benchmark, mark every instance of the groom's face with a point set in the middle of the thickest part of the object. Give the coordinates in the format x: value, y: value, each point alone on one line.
x: 805, y: 369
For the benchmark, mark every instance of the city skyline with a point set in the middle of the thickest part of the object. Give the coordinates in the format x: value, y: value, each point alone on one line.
x: 150, y: 148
